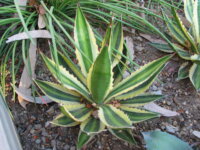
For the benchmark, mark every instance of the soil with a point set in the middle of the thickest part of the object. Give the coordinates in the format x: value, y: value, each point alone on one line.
x: 36, y: 132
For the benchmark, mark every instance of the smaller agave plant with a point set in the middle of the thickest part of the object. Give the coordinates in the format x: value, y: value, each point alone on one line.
x: 186, y: 42
x: 92, y: 94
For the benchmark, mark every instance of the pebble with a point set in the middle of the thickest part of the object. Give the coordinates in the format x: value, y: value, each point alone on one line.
x: 73, y: 148
x: 38, y: 126
x: 38, y: 141
x: 53, y: 143
x: 66, y: 147
x: 171, y: 129
x: 139, y: 48
x: 51, y: 110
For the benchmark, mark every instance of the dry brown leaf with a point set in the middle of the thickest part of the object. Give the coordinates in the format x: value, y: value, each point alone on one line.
x: 41, y: 22
x: 130, y: 45
x: 24, y: 91
x: 38, y: 100
x: 33, y: 34
x: 155, y: 108
x: 151, y: 39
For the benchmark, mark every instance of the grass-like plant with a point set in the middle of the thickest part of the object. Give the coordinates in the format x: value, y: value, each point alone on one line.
x: 92, y: 94
x: 17, y: 19
x: 186, y: 42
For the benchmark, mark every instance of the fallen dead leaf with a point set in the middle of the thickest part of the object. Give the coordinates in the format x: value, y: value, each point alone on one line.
x: 41, y: 22
x: 151, y: 39
x: 37, y: 100
x: 196, y: 133
x: 33, y: 34
x: 155, y: 108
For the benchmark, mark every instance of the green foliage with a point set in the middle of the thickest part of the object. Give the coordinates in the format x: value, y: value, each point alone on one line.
x: 157, y: 140
x: 102, y: 104
x: 186, y: 42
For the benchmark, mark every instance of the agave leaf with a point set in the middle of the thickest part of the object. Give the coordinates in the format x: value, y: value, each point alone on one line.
x: 58, y: 93
x: 78, y: 112
x: 99, y: 79
x: 195, y: 58
x: 113, y: 117
x: 64, y: 121
x: 140, y: 100
x: 141, y: 88
x: 92, y: 125
x: 83, y: 139
x: 176, y: 32
x: 123, y: 134
x: 157, y: 140
x: 67, y: 63
x: 196, y: 19
x: 194, y: 75
x: 116, y: 42
x: 184, y: 31
x: 162, y: 47
x: 183, y: 54
x: 138, y: 77
x: 183, y: 71
x: 138, y: 115
x: 64, y: 77
x: 107, y: 36
x: 85, y: 39
x: 188, y: 9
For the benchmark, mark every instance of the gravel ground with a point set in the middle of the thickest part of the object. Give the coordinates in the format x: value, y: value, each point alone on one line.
x: 36, y: 132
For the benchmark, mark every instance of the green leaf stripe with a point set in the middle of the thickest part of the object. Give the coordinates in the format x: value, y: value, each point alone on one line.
x: 78, y: 112
x: 140, y: 88
x: 188, y: 9
x: 58, y: 93
x: 65, y: 78
x: 138, y: 115
x: 123, y: 134
x: 100, y: 77
x: 68, y: 64
x: 162, y: 47
x: 139, y: 76
x: 64, y: 121
x: 83, y: 139
x: 113, y: 117
x: 92, y: 125
x: 140, y: 100
x: 194, y: 75
x: 85, y: 39
x: 183, y: 71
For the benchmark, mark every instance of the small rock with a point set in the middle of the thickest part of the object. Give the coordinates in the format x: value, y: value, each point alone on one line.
x: 38, y: 126
x: 169, y: 102
x: 175, y: 123
x: 187, y: 112
x: 38, y: 141
x: 157, y: 92
x: 51, y: 110
x: 171, y: 129
x: 73, y: 148
x: 139, y: 48
x: 53, y: 143
x: 66, y: 147
x: 32, y: 131
x: 47, y: 124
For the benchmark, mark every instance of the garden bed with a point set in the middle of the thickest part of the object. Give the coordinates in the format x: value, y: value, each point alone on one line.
x: 36, y: 132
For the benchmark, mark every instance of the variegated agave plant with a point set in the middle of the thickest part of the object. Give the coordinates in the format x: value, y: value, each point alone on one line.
x: 186, y: 42
x: 95, y: 97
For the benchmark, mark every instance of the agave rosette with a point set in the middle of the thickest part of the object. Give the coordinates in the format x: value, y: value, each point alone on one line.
x: 92, y: 94
x: 187, y: 42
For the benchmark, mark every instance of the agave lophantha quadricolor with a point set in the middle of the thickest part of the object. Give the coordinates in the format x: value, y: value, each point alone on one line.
x: 186, y: 42
x: 96, y: 97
